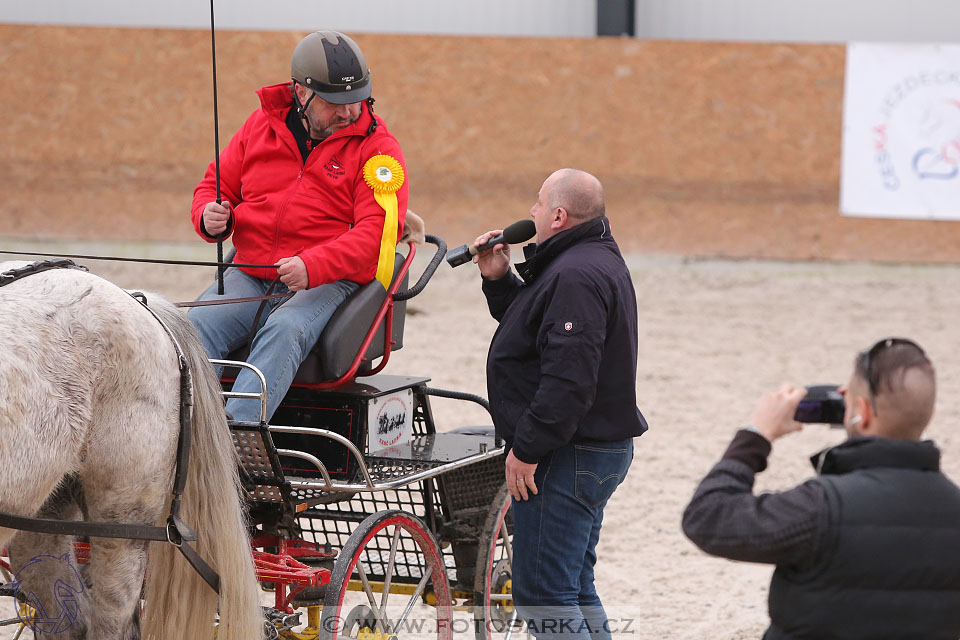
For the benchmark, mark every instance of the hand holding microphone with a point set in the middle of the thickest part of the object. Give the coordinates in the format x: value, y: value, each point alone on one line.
x: 494, y: 260
x: 517, y: 232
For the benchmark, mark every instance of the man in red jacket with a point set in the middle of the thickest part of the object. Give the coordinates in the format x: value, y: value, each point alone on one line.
x: 314, y: 183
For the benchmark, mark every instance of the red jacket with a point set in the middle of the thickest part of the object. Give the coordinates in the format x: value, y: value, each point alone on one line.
x: 321, y: 210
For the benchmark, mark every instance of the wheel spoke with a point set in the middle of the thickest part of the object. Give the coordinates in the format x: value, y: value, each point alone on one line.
x: 415, y: 596
x: 389, y: 577
x: 370, y: 596
x: 510, y: 623
x: 365, y: 566
x: 507, y: 544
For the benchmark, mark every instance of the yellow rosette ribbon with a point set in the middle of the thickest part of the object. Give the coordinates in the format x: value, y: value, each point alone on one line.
x: 384, y: 174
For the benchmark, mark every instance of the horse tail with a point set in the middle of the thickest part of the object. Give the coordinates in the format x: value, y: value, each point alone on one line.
x: 178, y: 603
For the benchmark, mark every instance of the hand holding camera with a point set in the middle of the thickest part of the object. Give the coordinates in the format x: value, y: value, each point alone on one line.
x: 773, y: 416
x: 785, y: 411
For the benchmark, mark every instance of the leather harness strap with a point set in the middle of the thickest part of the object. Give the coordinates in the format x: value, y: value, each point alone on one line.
x: 206, y: 303
x: 176, y: 532
x: 37, y: 267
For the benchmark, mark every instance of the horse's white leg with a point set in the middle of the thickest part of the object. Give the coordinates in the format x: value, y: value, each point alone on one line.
x: 47, y: 568
x: 116, y: 577
x: 126, y: 479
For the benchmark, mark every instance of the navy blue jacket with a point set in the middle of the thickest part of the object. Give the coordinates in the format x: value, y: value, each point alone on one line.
x: 562, y: 365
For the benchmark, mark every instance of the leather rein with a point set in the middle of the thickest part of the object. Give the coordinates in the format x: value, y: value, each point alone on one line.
x: 194, y: 263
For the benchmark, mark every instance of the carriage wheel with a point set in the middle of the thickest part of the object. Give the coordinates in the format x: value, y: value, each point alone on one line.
x: 495, y: 616
x: 380, y: 581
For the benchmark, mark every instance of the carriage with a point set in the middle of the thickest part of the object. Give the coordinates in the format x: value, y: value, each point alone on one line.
x: 366, y: 515
x: 367, y: 521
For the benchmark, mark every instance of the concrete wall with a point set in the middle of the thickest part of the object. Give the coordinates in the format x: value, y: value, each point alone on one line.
x: 704, y: 149
x: 752, y: 20
x: 808, y: 21
x: 465, y: 17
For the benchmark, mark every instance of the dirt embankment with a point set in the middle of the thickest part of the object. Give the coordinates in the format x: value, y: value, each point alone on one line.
x: 704, y: 149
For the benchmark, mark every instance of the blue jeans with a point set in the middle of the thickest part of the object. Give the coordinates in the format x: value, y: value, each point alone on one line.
x: 284, y: 337
x: 555, y: 539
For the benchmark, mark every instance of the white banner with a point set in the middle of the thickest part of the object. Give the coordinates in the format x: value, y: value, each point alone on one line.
x: 901, y: 132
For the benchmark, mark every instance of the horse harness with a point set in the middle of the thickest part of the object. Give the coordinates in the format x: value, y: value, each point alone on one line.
x: 176, y: 531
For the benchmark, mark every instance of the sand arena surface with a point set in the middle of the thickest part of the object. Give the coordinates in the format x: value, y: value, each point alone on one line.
x: 714, y: 336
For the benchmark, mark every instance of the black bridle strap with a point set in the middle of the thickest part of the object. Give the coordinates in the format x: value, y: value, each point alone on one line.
x: 177, y: 531
x: 193, y: 263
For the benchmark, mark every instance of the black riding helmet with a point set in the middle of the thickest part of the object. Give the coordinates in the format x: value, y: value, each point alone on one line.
x: 332, y: 65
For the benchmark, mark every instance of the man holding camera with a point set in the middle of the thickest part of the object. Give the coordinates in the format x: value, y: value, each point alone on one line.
x: 870, y: 548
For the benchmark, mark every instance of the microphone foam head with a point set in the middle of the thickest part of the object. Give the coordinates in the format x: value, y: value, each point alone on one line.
x: 520, y: 231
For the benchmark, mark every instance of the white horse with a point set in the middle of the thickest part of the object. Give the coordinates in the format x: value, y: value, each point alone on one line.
x: 89, y: 406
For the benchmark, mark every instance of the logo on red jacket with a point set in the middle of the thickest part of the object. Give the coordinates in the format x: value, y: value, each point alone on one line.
x: 334, y: 168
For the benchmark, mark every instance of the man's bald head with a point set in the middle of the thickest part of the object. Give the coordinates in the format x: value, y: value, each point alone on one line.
x: 578, y: 193
x: 904, y: 387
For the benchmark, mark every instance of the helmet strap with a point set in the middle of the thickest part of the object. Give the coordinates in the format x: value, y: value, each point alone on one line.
x: 302, y: 108
x: 373, y: 121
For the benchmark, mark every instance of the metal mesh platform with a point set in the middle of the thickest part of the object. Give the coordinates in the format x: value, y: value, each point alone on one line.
x: 453, y: 505
x: 333, y: 524
x: 468, y: 491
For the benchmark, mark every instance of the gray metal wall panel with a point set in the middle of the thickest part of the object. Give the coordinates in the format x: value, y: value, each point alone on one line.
x: 467, y: 17
x: 764, y: 20
x: 808, y: 21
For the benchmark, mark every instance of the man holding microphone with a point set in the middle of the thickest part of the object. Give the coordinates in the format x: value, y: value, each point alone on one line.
x: 561, y: 377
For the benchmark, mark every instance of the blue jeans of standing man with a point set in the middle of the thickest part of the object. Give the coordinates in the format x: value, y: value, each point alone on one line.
x: 284, y: 337
x: 555, y: 539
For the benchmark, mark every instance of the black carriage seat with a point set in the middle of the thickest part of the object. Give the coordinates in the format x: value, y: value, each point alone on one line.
x: 343, y: 336
x: 333, y: 354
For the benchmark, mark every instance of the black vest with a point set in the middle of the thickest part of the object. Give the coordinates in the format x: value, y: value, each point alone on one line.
x: 889, y: 567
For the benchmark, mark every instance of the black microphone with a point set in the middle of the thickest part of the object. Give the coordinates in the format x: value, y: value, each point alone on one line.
x: 519, y: 231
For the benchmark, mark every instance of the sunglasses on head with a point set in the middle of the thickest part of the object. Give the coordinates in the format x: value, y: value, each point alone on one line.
x: 869, y: 358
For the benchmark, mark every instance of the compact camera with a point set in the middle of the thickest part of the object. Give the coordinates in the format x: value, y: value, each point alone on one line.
x: 823, y: 403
